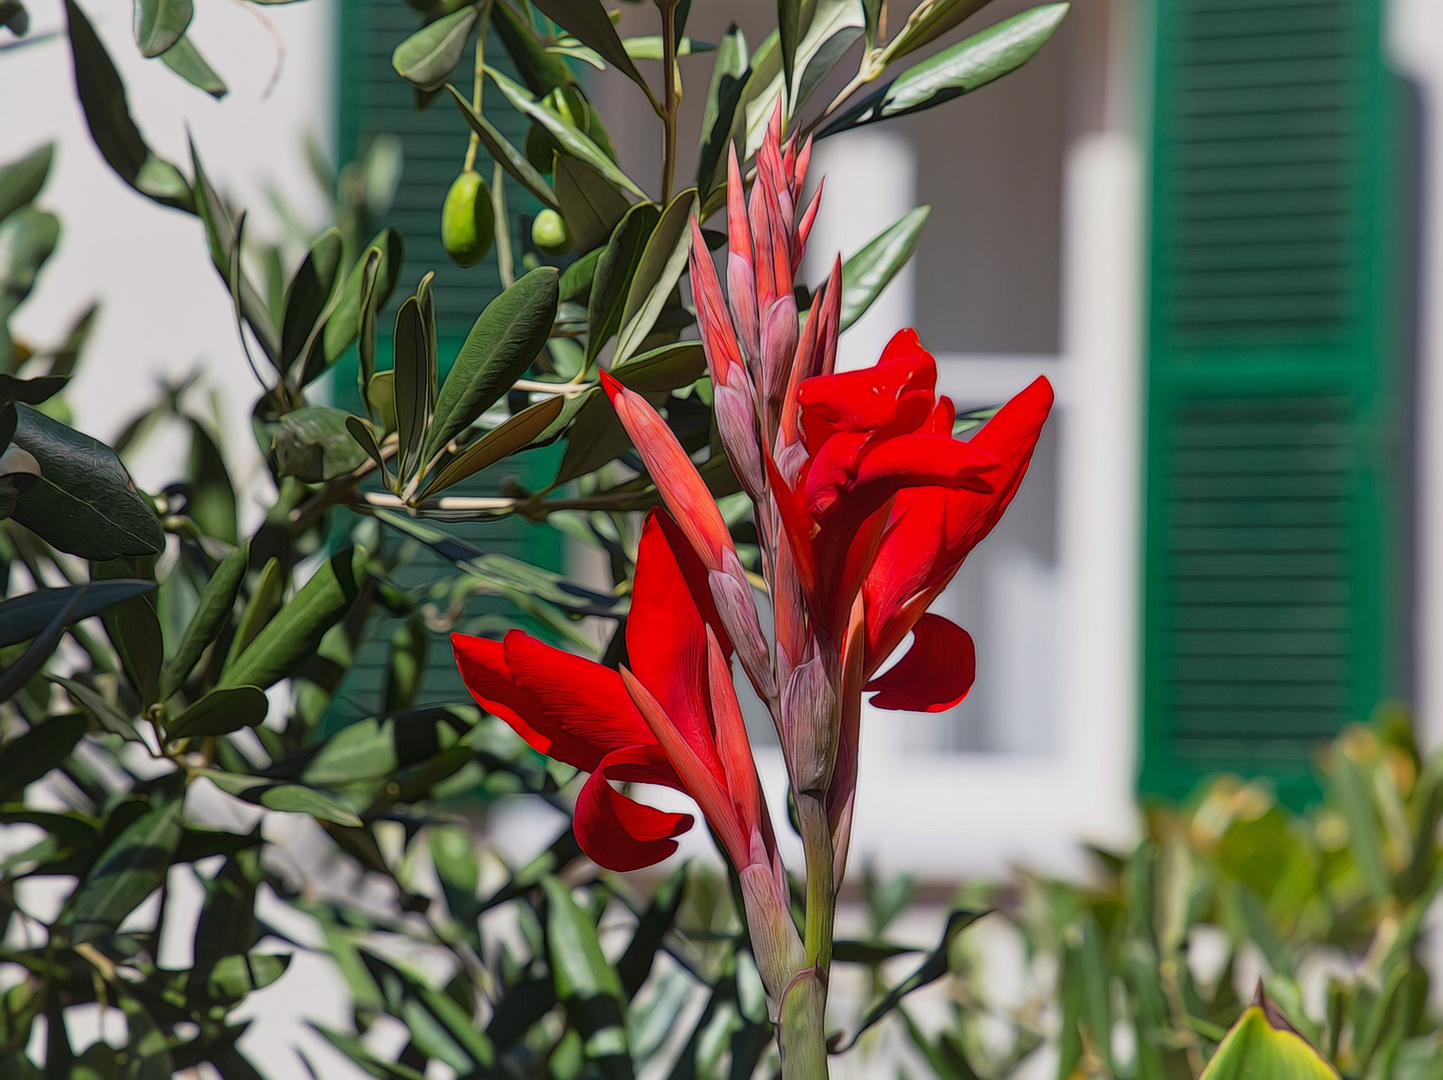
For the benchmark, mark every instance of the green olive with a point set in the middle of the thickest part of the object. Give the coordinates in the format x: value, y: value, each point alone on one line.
x: 468, y: 224
x: 548, y: 233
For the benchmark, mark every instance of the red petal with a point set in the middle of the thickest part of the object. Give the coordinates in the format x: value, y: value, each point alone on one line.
x: 674, y: 474
x: 666, y: 640
x: 564, y: 706
x: 865, y: 399
x: 620, y: 833
x: 936, y: 673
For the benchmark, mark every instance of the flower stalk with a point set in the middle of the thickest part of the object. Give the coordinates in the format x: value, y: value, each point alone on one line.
x: 865, y: 506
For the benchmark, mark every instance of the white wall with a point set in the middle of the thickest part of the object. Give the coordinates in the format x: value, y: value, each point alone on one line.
x: 165, y: 312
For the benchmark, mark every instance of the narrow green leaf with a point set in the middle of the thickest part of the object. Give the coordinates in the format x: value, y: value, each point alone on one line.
x: 966, y: 66
x: 28, y: 757
x: 220, y: 712
x: 542, y: 71
x: 342, y: 327
x: 411, y: 348
x: 128, y: 871
x: 315, y: 444
x: 576, y: 279
x: 427, y: 58
x: 930, y: 20
x: 929, y: 971
x: 147, y: 1048
x: 185, y: 60
x: 515, y: 434
x: 23, y: 617
x: 22, y: 179
x: 872, y: 269
x: 290, y: 639
x: 669, y: 367
x: 364, y: 750
x: 587, y: 21
x: 264, y: 602
x: 648, y: 47
x: 85, y: 502
x: 101, y: 710
x: 32, y: 659
x: 287, y: 798
x: 835, y: 28
x: 722, y: 119
x: 789, y: 18
x: 504, y: 154
x: 159, y: 24
x: 233, y: 977
x: 309, y: 294
x: 503, y: 342
x: 568, y: 136
x: 102, y: 97
x: 614, y: 273
x: 590, y: 203
x: 212, y: 613
x: 365, y: 437
x: 588, y: 985
x: 659, y: 269
x: 27, y: 239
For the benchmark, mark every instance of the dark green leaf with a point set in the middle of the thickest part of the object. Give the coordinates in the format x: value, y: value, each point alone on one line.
x: 590, y: 203
x: 344, y: 324
x: 588, y: 23
x: 211, y: 503
x: 147, y: 1049
x: 504, y: 154
x: 16, y: 19
x: 22, y: 617
x: 659, y: 269
x: 872, y: 269
x: 966, y: 66
x: 614, y: 273
x: 32, y: 659
x: 220, y: 712
x: 286, y: 798
x: 669, y: 367
x: 929, y: 971
x: 585, y: 982
x: 515, y: 434
x: 102, y: 96
x: 364, y: 750
x: 128, y: 871
x: 159, y: 24
x: 568, y: 136
x: 722, y: 120
x: 576, y: 279
x: 314, y: 444
x: 27, y: 238
x: 27, y: 758
x: 105, y: 714
x: 85, y: 502
x: 427, y: 58
x: 22, y: 179
x: 308, y: 295
x: 542, y: 71
x: 292, y: 637
x: 233, y: 977
x: 595, y: 437
x: 365, y: 437
x: 789, y: 17
x: 830, y: 41
x: 264, y: 602
x: 406, y: 665
x: 133, y: 627
x: 930, y: 20
x: 412, y: 344
x: 503, y: 342
x: 635, y: 964
x: 185, y: 60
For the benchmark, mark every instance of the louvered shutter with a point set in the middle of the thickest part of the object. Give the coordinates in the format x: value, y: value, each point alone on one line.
x: 374, y: 100
x: 1272, y: 401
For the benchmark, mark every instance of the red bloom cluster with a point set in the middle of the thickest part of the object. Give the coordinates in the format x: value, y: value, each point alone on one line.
x: 866, y: 504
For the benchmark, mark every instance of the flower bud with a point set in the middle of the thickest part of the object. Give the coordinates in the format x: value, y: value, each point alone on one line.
x: 779, y: 344
x: 742, y: 298
x: 809, y: 708
x: 775, y: 942
x: 732, y: 594
x: 736, y: 420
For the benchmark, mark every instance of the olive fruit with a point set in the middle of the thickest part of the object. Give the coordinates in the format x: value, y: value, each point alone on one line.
x: 468, y: 224
x: 548, y: 233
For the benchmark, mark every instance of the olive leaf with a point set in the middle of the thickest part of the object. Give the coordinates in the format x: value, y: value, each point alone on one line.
x: 867, y: 273
x: 212, y: 613
x: 159, y: 24
x: 657, y: 272
x: 22, y: 179
x: 85, y: 502
x: 185, y: 60
x: 427, y: 58
x: 314, y: 444
x: 128, y: 871
x: 505, y: 154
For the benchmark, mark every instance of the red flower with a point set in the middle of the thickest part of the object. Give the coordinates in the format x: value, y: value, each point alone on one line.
x: 866, y: 435
x: 672, y: 719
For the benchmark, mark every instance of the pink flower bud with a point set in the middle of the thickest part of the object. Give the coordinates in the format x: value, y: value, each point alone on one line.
x: 737, y: 422
x: 732, y: 594
x: 809, y: 718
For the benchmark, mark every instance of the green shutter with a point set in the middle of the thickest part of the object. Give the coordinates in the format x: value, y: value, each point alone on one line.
x: 374, y: 100
x: 1271, y: 397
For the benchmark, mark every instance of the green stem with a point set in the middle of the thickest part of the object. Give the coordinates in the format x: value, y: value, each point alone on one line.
x: 821, y: 890
x: 801, y: 1034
